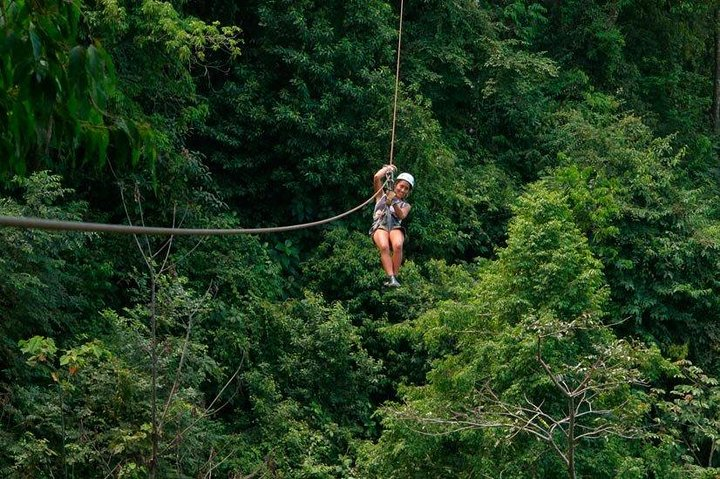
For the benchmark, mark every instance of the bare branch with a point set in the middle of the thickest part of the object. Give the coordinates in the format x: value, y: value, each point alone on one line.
x: 549, y: 371
x: 183, y: 354
x: 208, y: 410
x: 144, y: 255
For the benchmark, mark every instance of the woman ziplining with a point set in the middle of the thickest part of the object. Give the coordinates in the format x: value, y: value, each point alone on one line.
x: 387, y: 231
x: 390, y: 205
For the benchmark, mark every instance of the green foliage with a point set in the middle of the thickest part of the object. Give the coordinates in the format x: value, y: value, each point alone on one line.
x: 305, y: 383
x: 689, y: 415
x: 58, y: 92
x: 161, y: 47
x: 345, y: 267
x: 566, y: 180
x: 547, y: 262
x: 78, y: 418
x: 301, y: 109
x: 185, y: 37
x: 587, y: 34
x: 99, y: 416
x: 665, y: 51
x: 442, y: 56
x: 653, y: 235
x: 528, y: 341
x: 42, y: 282
x: 38, y: 349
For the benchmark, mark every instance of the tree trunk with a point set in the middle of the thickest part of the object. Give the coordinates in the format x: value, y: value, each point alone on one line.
x: 152, y: 473
x: 571, y: 439
x: 716, y: 90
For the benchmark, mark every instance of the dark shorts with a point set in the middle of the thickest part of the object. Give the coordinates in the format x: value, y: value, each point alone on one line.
x: 383, y: 227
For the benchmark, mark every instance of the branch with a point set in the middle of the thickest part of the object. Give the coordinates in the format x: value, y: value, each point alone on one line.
x: 135, y: 237
x: 169, y: 243
x: 181, y: 363
x: 549, y: 372
x: 598, y: 431
x: 208, y: 410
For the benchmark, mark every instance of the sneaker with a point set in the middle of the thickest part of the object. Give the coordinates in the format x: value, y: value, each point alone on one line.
x: 392, y: 282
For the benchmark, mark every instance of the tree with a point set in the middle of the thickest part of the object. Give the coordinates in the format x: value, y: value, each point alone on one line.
x: 589, y: 386
x: 688, y: 414
x: 42, y: 287
x: 131, y: 404
x: 303, y: 108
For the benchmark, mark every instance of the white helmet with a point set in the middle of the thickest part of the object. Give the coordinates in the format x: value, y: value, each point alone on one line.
x: 407, y: 177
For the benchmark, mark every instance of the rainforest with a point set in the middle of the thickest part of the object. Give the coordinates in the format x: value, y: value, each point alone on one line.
x: 558, y: 314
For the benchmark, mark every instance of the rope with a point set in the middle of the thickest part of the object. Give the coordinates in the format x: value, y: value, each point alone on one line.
x: 397, y: 84
x: 58, y: 225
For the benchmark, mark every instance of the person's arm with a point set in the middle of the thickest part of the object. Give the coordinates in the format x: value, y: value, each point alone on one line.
x: 400, y: 212
x: 378, y: 180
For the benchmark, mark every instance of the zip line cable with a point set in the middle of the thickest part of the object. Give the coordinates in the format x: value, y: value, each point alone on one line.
x: 60, y: 225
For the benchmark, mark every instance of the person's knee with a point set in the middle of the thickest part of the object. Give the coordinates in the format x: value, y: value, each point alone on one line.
x: 397, y: 246
x: 385, y: 248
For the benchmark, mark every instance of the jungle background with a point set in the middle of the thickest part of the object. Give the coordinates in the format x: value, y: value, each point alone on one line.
x: 559, y: 314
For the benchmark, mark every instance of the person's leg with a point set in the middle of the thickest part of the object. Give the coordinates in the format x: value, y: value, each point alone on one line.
x: 382, y: 241
x: 397, y: 238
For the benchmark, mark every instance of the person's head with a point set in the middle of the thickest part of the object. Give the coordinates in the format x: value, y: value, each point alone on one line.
x: 404, y: 184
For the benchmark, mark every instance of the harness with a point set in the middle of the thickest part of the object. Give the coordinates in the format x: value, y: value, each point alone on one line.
x: 384, y: 216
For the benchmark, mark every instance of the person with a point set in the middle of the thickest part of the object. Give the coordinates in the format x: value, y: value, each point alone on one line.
x: 386, y: 230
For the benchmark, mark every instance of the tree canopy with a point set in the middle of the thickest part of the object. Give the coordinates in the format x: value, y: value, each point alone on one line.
x: 558, y: 314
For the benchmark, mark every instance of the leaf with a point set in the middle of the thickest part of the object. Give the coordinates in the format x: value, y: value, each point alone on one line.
x: 38, y: 345
x: 103, y: 142
x: 36, y: 44
x: 93, y: 62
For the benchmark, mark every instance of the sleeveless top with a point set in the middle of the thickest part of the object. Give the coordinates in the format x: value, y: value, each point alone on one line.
x: 380, y: 216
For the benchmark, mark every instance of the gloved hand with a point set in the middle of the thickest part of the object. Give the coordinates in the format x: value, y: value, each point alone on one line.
x: 389, y: 197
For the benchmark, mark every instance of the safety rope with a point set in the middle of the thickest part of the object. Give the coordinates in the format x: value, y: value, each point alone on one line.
x: 397, y: 85
x: 389, y: 174
x: 59, y: 225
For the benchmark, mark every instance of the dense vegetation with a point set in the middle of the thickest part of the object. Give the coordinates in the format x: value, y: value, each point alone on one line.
x: 560, y: 308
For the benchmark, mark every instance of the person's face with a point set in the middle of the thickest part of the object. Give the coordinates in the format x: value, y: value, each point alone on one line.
x: 402, y: 189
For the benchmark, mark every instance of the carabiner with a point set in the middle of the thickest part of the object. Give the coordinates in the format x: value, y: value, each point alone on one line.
x: 390, y: 179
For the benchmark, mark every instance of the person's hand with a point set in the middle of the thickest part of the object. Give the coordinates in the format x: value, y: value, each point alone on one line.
x: 389, y: 197
x: 385, y: 170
